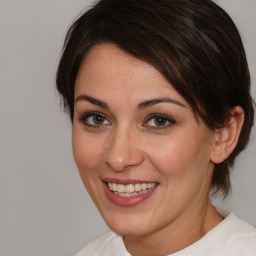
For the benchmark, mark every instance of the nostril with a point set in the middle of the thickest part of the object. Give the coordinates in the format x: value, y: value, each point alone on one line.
x: 122, y: 153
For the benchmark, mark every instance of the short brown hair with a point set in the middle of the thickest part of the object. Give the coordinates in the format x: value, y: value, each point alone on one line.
x: 193, y: 43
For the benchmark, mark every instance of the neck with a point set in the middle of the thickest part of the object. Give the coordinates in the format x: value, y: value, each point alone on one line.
x: 184, y: 231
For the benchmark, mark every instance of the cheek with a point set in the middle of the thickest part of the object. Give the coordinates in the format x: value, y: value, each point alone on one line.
x: 182, y: 164
x: 179, y: 156
x: 87, y: 152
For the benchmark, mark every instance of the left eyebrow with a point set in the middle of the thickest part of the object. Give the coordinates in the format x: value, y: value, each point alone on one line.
x: 152, y: 102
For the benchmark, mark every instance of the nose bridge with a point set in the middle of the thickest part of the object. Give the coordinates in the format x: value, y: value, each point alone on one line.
x: 123, y: 149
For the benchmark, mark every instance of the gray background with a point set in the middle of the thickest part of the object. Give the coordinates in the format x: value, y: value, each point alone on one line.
x: 44, y: 208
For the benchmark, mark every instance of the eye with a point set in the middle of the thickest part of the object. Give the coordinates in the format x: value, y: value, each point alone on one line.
x: 94, y: 119
x: 159, y: 121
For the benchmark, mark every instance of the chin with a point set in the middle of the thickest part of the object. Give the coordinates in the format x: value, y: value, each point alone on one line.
x: 129, y: 225
x: 130, y: 230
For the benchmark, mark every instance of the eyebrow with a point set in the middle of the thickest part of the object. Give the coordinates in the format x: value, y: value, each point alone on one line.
x: 141, y: 106
x: 152, y: 102
x: 92, y: 100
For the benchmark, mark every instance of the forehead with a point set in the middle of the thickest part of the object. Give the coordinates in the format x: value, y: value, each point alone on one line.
x: 109, y: 70
x: 106, y: 60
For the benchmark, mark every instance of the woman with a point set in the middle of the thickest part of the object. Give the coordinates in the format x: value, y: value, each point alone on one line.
x: 159, y: 96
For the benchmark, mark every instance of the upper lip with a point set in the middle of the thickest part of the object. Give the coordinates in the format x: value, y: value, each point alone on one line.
x: 126, y: 181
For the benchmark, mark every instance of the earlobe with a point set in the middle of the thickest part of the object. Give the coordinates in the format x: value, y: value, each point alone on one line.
x: 226, y: 138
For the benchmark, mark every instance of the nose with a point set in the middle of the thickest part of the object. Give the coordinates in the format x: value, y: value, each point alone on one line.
x: 123, y: 151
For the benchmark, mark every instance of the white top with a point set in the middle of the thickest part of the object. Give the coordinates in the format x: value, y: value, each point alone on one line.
x: 231, y: 237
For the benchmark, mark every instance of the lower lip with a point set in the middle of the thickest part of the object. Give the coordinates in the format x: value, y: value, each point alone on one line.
x: 127, y: 201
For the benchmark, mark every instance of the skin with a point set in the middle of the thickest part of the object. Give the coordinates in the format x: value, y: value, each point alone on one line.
x: 127, y: 144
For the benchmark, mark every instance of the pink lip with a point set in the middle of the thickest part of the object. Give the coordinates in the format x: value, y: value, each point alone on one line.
x: 127, y: 201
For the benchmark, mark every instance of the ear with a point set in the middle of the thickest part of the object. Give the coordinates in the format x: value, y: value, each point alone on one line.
x: 226, y: 138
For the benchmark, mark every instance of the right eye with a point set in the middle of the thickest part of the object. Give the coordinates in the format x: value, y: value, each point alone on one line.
x: 94, y: 119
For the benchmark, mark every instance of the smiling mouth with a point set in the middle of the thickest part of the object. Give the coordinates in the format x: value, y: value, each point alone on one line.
x: 131, y: 190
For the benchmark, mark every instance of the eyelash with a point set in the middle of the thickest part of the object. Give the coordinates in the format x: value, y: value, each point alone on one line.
x: 164, y: 117
x: 84, y: 119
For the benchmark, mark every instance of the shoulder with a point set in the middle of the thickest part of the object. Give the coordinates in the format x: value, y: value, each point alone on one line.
x: 242, y: 236
x: 107, y: 244
x: 235, y: 237
x: 232, y: 237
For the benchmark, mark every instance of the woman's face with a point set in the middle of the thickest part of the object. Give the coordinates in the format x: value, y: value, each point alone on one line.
x: 142, y: 155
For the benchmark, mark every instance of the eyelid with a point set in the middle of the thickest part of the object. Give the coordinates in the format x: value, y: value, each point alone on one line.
x: 161, y: 115
x: 85, y: 116
x: 155, y: 115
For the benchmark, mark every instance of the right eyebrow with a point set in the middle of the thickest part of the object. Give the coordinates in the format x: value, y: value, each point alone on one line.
x: 92, y: 100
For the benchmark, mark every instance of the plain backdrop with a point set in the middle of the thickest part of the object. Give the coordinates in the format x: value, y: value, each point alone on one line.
x: 44, y: 208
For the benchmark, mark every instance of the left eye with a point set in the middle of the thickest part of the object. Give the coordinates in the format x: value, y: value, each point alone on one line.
x: 159, y: 121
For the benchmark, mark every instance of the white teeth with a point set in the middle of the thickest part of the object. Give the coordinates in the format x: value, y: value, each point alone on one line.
x: 130, y: 189
x: 110, y: 186
x: 120, y: 188
x: 137, y: 187
x: 144, y: 186
x: 114, y: 186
